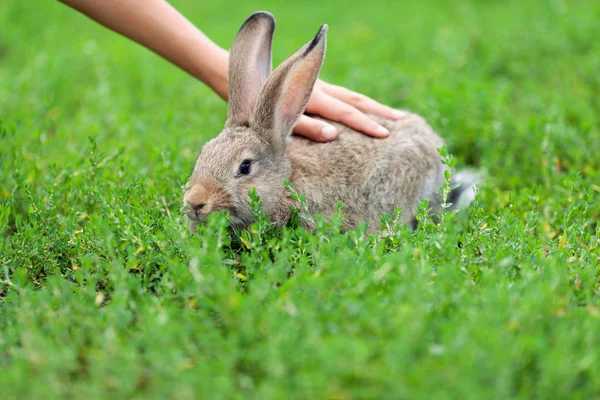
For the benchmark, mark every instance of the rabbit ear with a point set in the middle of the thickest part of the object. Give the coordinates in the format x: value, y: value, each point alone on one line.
x: 287, y: 91
x: 249, y: 66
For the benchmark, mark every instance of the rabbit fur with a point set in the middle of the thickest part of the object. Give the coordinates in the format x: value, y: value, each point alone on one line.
x: 256, y: 148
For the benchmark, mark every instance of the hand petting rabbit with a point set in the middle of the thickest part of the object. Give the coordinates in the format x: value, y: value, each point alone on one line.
x: 256, y: 149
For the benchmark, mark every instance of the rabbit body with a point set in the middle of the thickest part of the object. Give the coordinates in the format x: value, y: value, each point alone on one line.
x: 256, y: 149
x: 371, y: 177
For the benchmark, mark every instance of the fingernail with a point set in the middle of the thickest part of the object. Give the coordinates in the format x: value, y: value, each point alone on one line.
x: 382, y: 131
x: 328, y: 132
x: 397, y: 114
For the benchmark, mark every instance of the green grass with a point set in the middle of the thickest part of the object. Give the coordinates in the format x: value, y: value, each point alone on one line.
x: 104, y: 294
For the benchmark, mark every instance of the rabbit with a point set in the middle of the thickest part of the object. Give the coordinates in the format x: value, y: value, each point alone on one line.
x: 256, y: 148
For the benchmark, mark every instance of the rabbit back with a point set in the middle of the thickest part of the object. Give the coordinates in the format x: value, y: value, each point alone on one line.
x: 371, y: 177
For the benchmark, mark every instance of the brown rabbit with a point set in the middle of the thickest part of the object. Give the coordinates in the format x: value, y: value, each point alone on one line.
x: 256, y: 148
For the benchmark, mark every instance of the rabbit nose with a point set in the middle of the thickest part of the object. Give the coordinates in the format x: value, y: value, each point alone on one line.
x: 198, y: 207
x: 197, y: 197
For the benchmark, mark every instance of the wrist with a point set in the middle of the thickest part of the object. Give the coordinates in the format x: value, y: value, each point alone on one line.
x: 211, y: 68
x: 219, y: 78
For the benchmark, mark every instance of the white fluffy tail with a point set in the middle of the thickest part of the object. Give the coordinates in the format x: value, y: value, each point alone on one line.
x: 462, y: 196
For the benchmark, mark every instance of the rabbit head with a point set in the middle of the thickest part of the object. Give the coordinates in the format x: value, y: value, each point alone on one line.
x: 263, y: 108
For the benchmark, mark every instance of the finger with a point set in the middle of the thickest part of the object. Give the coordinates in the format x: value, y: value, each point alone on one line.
x: 337, y: 110
x: 315, y: 129
x: 362, y: 102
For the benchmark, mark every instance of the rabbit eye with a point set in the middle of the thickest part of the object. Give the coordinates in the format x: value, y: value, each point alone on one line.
x: 245, y: 167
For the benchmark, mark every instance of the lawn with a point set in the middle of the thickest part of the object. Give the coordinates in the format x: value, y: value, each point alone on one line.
x: 105, y: 294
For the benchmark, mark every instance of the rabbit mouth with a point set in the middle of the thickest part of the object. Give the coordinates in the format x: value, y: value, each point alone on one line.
x: 193, y: 215
x: 200, y: 211
x: 196, y: 216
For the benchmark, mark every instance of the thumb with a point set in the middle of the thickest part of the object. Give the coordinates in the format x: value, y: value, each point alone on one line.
x: 314, y: 129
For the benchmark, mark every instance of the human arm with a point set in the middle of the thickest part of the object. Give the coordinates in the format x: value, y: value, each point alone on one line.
x: 158, y: 26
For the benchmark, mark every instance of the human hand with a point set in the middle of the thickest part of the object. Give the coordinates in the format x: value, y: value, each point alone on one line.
x: 158, y: 26
x: 339, y: 104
